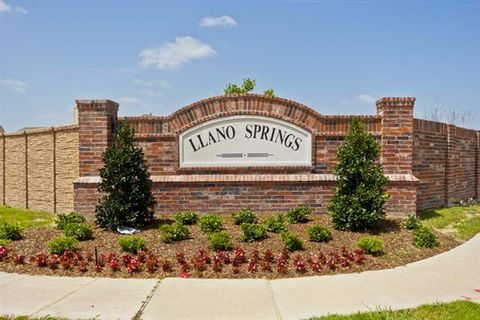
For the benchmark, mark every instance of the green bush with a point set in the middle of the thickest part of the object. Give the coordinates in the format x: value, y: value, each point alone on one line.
x: 186, y: 217
x: 132, y: 243
x: 244, y: 216
x: 220, y: 241
x: 298, y: 214
x: 292, y: 241
x: 411, y: 222
x: 318, y: 233
x: 174, y: 232
x: 65, y: 219
x: 423, y: 237
x: 10, y: 231
x: 79, y: 231
x: 371, y: 245
x: 275, y: 224
x: 4, y: 242
x: 210, y: 223
x: 126, y: 186
x: 253, y: 232
x: 359, y: 197
x: 62, y: 243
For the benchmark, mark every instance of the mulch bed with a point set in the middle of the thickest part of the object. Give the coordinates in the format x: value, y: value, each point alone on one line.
x: 399, y: 250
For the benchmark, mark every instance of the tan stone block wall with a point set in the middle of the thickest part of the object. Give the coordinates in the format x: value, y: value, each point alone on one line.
x: 40, y: 171
x: 67, y: 168
x: 15, y: 170
x: 45, y: 182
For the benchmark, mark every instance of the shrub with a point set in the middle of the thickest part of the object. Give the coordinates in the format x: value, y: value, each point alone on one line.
x: 10, y: 231
x: 62, y: 243
x: 423, y: 237
x: 220, y: 241
x: 371, y: 245
x: 186, y: 217
x: 298, y: 214
x: 253, y: 232
x: 174, y: 232
x: 126, y: 186
x: 275, y: 224
x: 210, y: 223
x: 4, y: 242
x: 65, y: 219
x: 292, y: 241
x: 318, y: 233
x: 79, y: 231
x: 359, y: 197
x: 132, y: 243
x: 411, y: 222
x: 244, y: 216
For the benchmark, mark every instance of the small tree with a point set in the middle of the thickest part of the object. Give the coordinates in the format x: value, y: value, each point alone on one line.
x: 128, y: 199
x: 247, y: 86
x: 359, y: 196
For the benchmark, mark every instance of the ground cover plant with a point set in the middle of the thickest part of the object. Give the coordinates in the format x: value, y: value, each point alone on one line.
x: 457, y: 310
x: 25, y: 218
x: 219, y: 254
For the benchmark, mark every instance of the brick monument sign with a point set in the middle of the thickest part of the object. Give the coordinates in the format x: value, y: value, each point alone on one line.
x: 248, y: 151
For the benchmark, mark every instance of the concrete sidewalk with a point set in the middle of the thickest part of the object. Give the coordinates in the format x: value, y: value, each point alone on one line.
x: 450, y: 276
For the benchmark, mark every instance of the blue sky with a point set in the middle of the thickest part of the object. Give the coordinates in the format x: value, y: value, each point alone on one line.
x: 157, y: 56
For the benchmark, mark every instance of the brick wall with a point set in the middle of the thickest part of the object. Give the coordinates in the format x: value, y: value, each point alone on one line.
x: 446, y: 161
x: 38, y: 168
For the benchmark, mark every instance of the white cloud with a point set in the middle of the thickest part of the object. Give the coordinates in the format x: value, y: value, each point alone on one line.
x: 173, y: 55
x: 223, y: 21
x: 21, y: 10
x: 13, y: 86
x: 365, y: 98
x: 4, y: 7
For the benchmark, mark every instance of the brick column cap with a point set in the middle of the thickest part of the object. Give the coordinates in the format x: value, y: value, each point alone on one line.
x: 96, y: 102
x: 396, y: 101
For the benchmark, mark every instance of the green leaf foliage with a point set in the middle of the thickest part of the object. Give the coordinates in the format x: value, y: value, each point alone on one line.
x: 292, y: 241
x: 186, y: 217
x: 253, y: 232
x: 220, y: 241
x: 174, y: 232
x: 298, y: 214
x: 210, y: 223
x: 132, y: 243
x: 65, y: 219
x: 360, y: 194
x: 423, y: 237
x: 275, y: 224
x: 62, y: 243
x: 244, y: 216
x: 79, y: 231
x: 371, y: 245
x: 317, y: 233
x: 126, y: 185
x: 411, y: 222
x: 10, y: 231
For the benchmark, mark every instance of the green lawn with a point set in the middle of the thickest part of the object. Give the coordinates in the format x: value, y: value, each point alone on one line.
x: 26, y: 218
x: 458, y: 310
x: 463, y: 220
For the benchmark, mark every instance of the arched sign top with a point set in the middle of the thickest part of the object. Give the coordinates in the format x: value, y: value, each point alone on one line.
x: 245, y: 141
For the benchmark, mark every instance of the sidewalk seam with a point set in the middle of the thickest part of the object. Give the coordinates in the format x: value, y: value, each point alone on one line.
x: 147, y: 300
x: 272, y: 296
x: 63, y: 297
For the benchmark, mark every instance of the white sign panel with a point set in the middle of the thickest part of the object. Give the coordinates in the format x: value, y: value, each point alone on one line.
x: 245, y: 141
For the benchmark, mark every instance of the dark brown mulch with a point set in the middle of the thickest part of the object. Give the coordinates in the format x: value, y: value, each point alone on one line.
x: 399, y: 250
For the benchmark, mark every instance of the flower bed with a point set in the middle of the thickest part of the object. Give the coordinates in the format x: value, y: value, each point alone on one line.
x: 266, y: 258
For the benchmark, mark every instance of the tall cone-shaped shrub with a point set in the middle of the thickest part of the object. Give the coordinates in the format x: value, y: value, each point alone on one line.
x: 126, y: 185
x: 360, y: 194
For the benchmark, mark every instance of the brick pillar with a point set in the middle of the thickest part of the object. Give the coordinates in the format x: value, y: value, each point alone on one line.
x: 397, y: 134
x: 96, y: 120
x: 397, y: 153
x: 451, y: 165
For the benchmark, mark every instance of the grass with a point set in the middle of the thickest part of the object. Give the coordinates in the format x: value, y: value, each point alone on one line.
x: 26, y: 218
x: 458, y: 310
x: 463, y: 220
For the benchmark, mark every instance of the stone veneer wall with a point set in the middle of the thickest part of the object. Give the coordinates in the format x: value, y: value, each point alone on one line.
x: 38, y: 167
